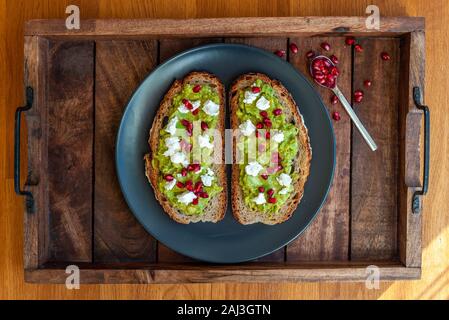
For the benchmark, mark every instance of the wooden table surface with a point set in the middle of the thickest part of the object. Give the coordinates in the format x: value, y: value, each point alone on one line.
x: 435, y: 277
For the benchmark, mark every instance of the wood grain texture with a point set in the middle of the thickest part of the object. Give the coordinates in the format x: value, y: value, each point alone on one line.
x: 373, y: 187
x: 120, y: 67
x: 327, y: 238
x: 70, y: 153
x: 184, y: 274
x: 278, y: 26
x: 436, y: 205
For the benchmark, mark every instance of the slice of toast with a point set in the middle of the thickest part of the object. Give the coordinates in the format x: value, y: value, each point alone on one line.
x: 301, y: 166
x: 216, y: 208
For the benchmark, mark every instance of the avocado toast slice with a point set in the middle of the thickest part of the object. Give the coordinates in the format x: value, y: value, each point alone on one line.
x: 185, y: 164
x: 268, y: 186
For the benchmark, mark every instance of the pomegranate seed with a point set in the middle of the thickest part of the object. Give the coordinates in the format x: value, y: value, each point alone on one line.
x: 196, y: 111
x: 272, y: 200
x: 358, y: 99
x: 385, y: 56
x: 310, y: 54
x: 183, y: 172
x: 335, y: 71
x: 204, y: 195
x: 293, y: 47
x: 358, y: 48
x: 277, y: 112
x: 270, y: 192
x: 267, y: 122
x: 189, y: 185
x: 280, y: 53
x: 267, y: 135
x: 180, y: 185
x: 264, y: 114
x: 350, y: 41
x: 367, y: 83
x: 358, y: 93
x: 334, y: 99
x: 255, y: 89
x: 336, y: 116
x: 196, y: 88
x: 195, y: 201
x: 169, y: 177
x: 334, y: 59
x: 257, y: 133
x: 198, y: 186
x: 261, y: 189
x: 187, y: 104
x: 326, y: 46
x: 264, y: 176
x: 194, y: 167
x: 204, y: 126
x: 186, y: 123
x: 259, y: 125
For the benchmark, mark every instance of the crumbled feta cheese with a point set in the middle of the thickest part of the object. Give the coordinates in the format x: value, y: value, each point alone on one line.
x: 284, y: 179
x: 204, y: 141
x: 171, y: 126
x: 284, y: 191
x: 210, y: 172
x: 186, y: 197
x: 178, y: 158
x: 253, y: 168
x: 207, y: 180
x: 250, y: 97
x: 173, y: 145
x: 262, y: 103
x: 260, y: 199
x: 247, y: 128
x: 278, y: 137
x: 211, y: 108
x: 170, y: 184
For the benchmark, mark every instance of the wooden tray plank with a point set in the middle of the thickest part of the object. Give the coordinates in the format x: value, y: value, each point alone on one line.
x: 120, y: 67
x: 167, y: 49
x: 327, y: 238
x: 236, y: 27
x: 70, y: 141
x: 410, y: 228
x: 271, y: 45
x: 36, y: 225
x: 374, y: 174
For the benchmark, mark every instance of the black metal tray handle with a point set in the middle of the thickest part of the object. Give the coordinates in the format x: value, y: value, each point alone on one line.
x: 416, y: 202
x: 28, y: 195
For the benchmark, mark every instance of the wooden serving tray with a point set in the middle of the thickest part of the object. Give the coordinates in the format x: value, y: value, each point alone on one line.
x: 82, y: 80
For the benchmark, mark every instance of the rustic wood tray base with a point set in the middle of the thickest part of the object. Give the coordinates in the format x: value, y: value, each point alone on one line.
x: 82, y: 80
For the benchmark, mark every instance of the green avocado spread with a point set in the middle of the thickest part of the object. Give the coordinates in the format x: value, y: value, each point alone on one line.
x: 268, y: 146
x: 185, y: 150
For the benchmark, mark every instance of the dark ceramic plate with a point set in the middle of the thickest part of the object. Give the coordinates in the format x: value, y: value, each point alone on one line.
x: 226, y: 241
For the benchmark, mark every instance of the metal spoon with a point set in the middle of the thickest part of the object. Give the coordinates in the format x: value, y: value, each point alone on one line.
x: 369, y: 140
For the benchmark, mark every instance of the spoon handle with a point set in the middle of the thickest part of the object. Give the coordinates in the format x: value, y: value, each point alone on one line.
x: 369, y: 140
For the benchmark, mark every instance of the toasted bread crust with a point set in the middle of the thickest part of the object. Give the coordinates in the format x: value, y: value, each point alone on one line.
x: 241, y: 212
x: 216, y: 209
